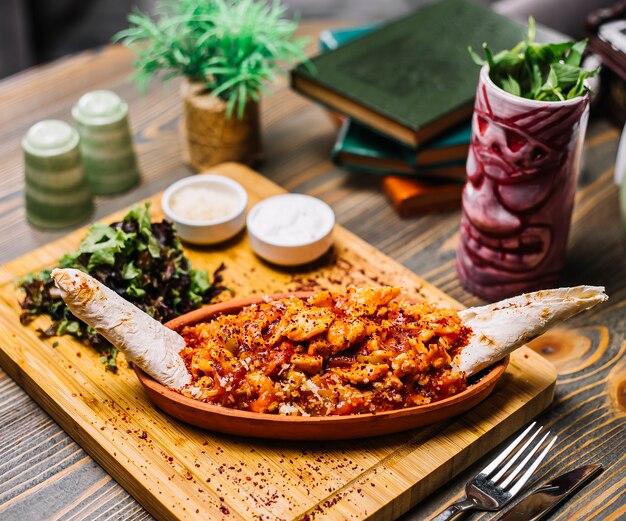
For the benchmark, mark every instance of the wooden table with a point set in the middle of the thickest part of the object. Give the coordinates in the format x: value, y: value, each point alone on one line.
x: 46, y: 475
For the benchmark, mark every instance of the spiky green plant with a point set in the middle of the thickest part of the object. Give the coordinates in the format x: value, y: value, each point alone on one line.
x: 235, y: 47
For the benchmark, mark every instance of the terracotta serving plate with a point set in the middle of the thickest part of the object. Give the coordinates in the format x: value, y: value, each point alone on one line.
x: 259, y: 425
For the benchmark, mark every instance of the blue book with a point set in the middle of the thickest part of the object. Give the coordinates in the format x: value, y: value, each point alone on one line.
x: 363, y: 149
x: 330, y: 39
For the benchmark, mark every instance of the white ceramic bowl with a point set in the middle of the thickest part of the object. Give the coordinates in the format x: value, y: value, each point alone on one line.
x: 208, y: 231
x: 290, y: 229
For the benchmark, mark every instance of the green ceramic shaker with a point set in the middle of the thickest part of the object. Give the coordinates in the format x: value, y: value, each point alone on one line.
x: 56, y: 191
x: 106, y: 144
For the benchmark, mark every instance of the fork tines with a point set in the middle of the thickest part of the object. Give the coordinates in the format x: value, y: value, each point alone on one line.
x: 515, y: 450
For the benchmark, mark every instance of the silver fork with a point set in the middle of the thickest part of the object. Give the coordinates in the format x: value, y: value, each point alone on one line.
x: 488, y: 490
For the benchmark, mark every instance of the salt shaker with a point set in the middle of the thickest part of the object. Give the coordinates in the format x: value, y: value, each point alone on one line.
x: 101, y: 118
x: 56, y: 191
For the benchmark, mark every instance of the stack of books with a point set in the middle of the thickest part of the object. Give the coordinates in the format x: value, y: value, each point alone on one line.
x: 405, y: 93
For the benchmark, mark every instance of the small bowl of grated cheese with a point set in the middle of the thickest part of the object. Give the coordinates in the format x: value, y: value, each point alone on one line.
x: 206, y: 208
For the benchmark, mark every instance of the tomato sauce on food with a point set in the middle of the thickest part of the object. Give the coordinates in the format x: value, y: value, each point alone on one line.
x: 364, y: 350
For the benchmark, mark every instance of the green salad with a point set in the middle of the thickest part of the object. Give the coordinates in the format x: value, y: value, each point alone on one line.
x: 142, y: 261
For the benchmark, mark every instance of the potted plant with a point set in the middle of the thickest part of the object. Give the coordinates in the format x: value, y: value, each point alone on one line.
x: 528, y: 129
x: 226, y: 51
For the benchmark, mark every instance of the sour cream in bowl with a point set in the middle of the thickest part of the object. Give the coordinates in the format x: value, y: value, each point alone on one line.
x: 206, y: 209
x: 290, y: 229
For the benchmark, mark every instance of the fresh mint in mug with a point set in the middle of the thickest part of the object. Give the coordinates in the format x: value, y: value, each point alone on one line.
x: 539, y: 71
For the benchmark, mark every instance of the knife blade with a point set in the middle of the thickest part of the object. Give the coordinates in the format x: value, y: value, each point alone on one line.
x: 536, y: 505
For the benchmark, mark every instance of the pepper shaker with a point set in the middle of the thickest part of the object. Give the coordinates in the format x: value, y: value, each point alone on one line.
x: 56, y: 191
x: 101, y: 118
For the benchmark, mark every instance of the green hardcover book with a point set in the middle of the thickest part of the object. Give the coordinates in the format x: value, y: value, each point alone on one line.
x: 359, y: 147
x: 413, y: 78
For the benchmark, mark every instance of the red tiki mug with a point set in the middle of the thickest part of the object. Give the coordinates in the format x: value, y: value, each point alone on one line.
x: 522, y: 170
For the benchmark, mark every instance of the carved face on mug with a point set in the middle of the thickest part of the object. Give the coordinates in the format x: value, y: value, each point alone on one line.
x: 517, y: 204
x: 513, y: 166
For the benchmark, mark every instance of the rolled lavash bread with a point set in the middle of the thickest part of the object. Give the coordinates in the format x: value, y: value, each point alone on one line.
x: 143, y: 340
x: 500, y: 328
x: 497, y: 329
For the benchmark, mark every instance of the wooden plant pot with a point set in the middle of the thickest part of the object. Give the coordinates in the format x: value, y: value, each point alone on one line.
x: 210, y: 137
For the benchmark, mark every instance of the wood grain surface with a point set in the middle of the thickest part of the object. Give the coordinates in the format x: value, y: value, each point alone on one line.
x: 46, y: 475
x: 175, y: 470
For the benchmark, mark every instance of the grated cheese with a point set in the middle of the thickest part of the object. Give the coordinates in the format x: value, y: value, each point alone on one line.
x: 203, y: 203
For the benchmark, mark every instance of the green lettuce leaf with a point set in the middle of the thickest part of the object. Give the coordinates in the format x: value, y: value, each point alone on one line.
x: 141, y: 260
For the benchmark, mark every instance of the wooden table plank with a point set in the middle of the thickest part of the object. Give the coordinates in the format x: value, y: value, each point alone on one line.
x: 589, y: 411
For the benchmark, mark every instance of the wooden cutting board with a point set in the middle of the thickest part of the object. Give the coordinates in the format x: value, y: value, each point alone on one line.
x: 180, y: 472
